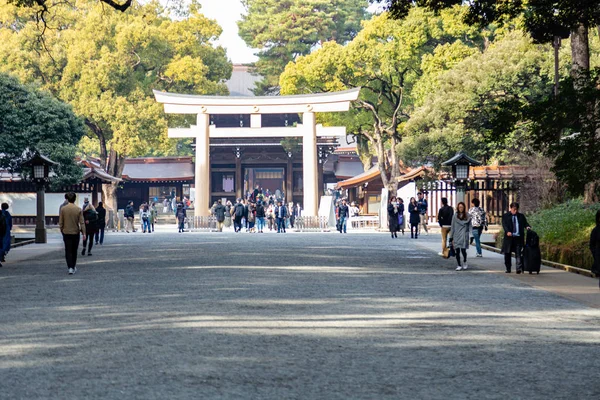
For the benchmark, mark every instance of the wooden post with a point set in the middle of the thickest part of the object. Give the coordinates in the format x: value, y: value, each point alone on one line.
x: 238, y: 177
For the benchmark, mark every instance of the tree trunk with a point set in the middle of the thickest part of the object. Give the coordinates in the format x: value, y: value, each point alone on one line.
x: 580, y: 72
x: 590, y: 194
x: 362, y: 148
x: 580, y: 54
x: 116, y: 164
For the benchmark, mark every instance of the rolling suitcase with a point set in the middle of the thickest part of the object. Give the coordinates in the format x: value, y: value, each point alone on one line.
x: 532, y: 255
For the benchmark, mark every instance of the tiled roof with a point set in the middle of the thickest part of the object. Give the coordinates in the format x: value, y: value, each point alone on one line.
x: 157, y: 169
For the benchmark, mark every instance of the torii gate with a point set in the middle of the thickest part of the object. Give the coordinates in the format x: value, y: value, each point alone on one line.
x: 308, y: 105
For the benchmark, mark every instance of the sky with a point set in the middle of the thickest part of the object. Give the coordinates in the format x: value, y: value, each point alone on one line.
x: 227, y: 13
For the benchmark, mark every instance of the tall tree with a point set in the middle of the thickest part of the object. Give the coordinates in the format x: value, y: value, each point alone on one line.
x: 105, y: 64
x: 463, y: 109
x: 386, y: 59
x: 283, y: 30
x: 545, y: 20
x: 34, y: 121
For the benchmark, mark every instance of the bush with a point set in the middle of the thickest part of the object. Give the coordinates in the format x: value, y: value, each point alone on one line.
x: 565, y: 231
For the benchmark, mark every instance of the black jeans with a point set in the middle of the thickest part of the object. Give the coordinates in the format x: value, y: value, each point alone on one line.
x: 518, y: 250
x: 90, y: 237
x: 99, y: 236
x: 464, y: 253
x: 71, y: 246
x: 280, y: 224
x: 414, y: 228
x: 237, y: 223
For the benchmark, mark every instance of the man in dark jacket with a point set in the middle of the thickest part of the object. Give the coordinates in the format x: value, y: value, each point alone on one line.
x: 3, y: 228
x: 238, y: 214
x: 444, y: 218
x: 129, y: 215
x: 101, y: 224
x: 220, y: 215
x: 281, y: 213
x: 343, y: 214
x: 514, y: 224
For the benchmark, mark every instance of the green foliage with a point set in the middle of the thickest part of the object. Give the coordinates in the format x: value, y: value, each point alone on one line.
x: 282, y: 30
x: 387, y: 59
x: 565, y: 231
x: 568, y: 223
x: 33, y: 121
x: 465, y: 108
x: 105, y: 64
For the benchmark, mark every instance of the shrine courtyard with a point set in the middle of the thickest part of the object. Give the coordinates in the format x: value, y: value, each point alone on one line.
x: 294, y: 316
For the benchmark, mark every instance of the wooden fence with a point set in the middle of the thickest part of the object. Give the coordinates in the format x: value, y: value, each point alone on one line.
x: 495, y: 196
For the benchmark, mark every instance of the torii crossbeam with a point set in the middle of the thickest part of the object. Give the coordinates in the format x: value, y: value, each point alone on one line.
x: 307, y: 105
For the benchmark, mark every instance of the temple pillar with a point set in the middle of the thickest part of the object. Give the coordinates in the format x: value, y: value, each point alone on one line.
x: 202, y: 167
x: 289, y: 181
x: 310, y: 164
x: 239, y: 180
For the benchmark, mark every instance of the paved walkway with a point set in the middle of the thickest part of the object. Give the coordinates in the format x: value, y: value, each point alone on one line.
x: 299, y: 316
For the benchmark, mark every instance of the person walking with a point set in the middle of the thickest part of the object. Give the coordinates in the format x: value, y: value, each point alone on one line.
x: 281, y: 212
x: 414, y: 218
x: 251, y: 216
x: 153, y: 215
x: 595, y: 246
x: 343, y: 213
x: 145, y: 218
x: 228, y: 208
x: 514, y: 224
x: 392, y: 210
x: 90, y: 218
x: 260, y: 216
x: 479, y: 223
x: 5, y: 238
x: 181, y: 215
x: 460, y: 231
x: 238, y: 214
x: 401, y: 221
x: 423, y: 213
x: 220, y: 215
x: 3, y: 229
x: 271, y: 216
x: 129, y: 215
x: 444, y: 218
x: 71, y: 224
x: 101, y: 224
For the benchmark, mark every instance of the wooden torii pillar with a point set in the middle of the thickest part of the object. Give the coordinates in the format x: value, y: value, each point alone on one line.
x: 307, y: 105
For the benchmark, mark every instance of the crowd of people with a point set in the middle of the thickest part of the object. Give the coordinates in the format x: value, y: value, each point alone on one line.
x: 255, y: 214
x: 417, y: 215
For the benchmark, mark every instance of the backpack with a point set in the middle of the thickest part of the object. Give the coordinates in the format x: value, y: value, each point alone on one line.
x: 239, y: 210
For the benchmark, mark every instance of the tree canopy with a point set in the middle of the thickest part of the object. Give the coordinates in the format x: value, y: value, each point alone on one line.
x: 462, y: 110
x: 283, y: 30
x: 387, y: 59
x: 34, y: 121
x: 105, y: 64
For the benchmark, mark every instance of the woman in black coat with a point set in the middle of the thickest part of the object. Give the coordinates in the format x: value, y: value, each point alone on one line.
x: 595, y: 245
x: 415, y: 218
x: 393, y: 217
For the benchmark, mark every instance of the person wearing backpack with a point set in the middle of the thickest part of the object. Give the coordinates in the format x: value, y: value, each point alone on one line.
x: 595, y: 246
x: 129, y: 215
x: 181, y: 215
x: 99, y: 237
x: 90, y: 218
x: 478, y: 222
x: 238, y: 214
x: 145, y: 217
x: 444, y: 218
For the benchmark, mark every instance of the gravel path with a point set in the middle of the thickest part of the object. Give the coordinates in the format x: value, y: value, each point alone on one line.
x: 295, y: 316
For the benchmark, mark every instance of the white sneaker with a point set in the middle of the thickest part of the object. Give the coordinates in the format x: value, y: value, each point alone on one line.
x: 75, y: 270
x: 459, y: 268
x: 465, y: 266
x: 479, y: 255
x: 71, y: 272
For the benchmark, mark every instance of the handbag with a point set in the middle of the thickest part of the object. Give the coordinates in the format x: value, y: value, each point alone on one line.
x: 451, y: 252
